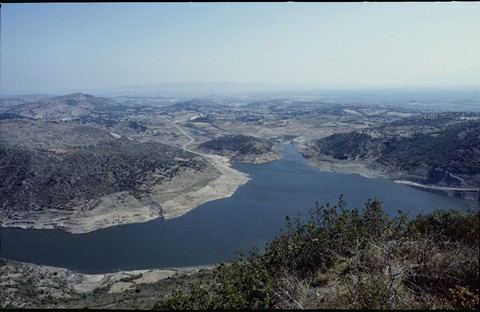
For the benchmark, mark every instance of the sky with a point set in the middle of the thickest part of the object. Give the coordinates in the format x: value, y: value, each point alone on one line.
x: 49, y: 47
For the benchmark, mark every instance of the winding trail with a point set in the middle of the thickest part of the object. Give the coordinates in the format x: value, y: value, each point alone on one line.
x: 224, y: 185
x: 188, y: 136
x: 213, y: 157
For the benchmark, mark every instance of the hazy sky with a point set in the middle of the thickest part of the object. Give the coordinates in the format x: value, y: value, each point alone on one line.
x: 47, y: 47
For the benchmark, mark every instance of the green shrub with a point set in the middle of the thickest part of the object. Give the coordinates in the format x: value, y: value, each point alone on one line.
x: 448, y: 224
x: 237, y: 285
x: 329, y: 234
x: 376, y: 262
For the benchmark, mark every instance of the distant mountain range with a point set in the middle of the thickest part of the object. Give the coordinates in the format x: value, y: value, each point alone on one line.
x: 193, y: 89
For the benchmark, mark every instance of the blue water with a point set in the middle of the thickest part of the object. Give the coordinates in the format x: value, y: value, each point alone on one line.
x: 215, y: 231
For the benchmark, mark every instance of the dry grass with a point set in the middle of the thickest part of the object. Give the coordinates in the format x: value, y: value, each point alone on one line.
x: 344, y: 260
x: 394, y: 275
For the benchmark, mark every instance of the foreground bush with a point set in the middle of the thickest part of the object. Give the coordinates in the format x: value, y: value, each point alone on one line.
x: 351, y: 259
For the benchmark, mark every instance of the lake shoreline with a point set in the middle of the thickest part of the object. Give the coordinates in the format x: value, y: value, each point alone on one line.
x: 122, y: 208
x: 369, y: 170
x: 215, y: 231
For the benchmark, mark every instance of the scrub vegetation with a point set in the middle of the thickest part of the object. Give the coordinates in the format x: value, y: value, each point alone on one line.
x: 349, y: 259
x: 435, y: 149
x: 43, y: 179
x: 238, y: 143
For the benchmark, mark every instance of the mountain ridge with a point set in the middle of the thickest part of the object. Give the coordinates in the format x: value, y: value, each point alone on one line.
x: 66, y: 107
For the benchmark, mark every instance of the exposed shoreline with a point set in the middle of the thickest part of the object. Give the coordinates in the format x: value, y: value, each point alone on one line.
x: 122, y: 208
x: 224, y: 186
x: 329, y: 164
x: 169, y: 200
x: 433, y: 187
x: 61, y: 283
x: 120, y: 281
x: 463, y: 192
x: 369, y: 170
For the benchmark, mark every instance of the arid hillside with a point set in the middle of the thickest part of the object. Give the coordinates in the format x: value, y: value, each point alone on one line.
x: 65, y: 107
x: 241, y: 148
x: 80, y: 163
x: 435, y: 149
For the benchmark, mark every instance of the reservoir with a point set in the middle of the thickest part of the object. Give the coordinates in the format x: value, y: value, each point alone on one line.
x: 215, y: 231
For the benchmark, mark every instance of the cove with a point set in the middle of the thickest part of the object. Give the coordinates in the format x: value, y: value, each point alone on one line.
x: 215, y: 231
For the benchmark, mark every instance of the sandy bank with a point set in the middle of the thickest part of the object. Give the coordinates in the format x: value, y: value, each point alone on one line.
x: 223, y: 186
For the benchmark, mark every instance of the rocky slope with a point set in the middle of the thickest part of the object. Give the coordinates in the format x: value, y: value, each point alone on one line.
x: 30, y: 286
x: 81, y: 163
x: 84, y: 187
x: 436, y: 149
x: 243, y: 149
x: 66, y: 107
x: 38, y: 134
x: 83, y: 177
x: 39, y: 179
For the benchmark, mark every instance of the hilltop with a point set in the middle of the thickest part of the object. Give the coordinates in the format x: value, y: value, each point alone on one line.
x: 242, y: 148
x: 65, y: 107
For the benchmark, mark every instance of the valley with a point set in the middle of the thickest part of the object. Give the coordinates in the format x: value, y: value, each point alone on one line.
x: 217, y: 156
x: 81, y: 163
